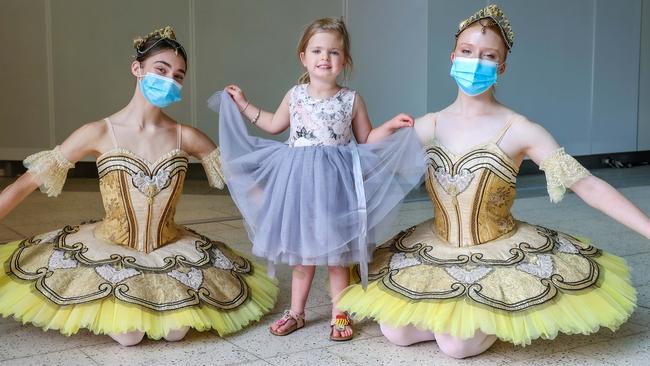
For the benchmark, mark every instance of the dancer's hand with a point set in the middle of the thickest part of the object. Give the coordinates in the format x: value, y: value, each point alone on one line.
x: 400, y: 121
x: 238, y: 96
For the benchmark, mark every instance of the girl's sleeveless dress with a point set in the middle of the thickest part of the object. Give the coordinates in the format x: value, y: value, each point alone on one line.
x: 318, y: 198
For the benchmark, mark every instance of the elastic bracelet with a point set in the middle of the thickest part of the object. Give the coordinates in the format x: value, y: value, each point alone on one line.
x: 254, y: 120
x: 244, y: 110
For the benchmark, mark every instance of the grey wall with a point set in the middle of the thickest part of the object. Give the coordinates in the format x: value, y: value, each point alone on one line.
x: 644, y: 81
x: 389, y: 46
x: 580, y: 68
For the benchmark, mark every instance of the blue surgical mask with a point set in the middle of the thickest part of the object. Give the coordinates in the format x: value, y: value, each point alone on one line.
x: 159, y: 90
x: 473, y: 75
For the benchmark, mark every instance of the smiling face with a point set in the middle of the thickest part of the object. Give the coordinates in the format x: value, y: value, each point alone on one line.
x: 324, y: 56
x: 481, y: 42
x: 166, y: 63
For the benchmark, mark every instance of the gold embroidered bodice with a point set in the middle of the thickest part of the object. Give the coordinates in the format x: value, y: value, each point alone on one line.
x: 140, y: 198
x: 473, y: 249
x: 472, y: 193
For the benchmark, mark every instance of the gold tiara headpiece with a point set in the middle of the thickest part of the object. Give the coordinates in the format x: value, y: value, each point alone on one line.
x: 495, y: 16
x: 160, y: 34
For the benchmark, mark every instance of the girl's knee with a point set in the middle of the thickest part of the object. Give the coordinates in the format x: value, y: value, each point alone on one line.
x: 300, y: 272
x: 338, y: 269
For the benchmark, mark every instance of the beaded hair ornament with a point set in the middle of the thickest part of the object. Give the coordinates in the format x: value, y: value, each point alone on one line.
x: 163, y: 34
x: 489, y: 16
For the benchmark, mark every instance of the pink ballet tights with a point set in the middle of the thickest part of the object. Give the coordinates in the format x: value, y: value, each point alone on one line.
x: 451, y: 346
x: 132, y: 338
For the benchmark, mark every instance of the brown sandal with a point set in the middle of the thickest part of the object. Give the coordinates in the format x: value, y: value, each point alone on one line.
x: 299, y: 322
x: 340, y: 323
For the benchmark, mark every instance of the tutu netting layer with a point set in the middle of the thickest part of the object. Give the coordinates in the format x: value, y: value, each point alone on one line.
x: 317, y: 205
x: 25, y: 301
x: 405, y: 292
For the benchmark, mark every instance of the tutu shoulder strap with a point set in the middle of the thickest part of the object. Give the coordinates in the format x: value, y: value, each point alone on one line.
x: 49, y: 169
x: 562, y: 171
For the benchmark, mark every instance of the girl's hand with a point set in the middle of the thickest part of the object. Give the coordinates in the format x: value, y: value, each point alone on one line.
x: 238, y: 96
x: 400, y: 121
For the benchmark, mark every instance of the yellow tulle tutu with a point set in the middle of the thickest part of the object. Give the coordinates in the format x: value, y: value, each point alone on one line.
x: 20, y: 300
x: 608, y: 304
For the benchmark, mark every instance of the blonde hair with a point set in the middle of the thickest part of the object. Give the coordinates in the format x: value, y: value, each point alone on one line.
x: 334, y: 25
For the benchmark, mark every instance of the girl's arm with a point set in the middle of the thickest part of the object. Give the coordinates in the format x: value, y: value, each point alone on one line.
x: 273, y: 123
x: 540, y: 146
x: 362, y: 128
x: 73, y: 149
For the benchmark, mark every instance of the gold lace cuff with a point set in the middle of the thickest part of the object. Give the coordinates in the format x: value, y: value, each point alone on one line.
x: 562, y: 170
x: 49, y: 169
x: 212, y: 165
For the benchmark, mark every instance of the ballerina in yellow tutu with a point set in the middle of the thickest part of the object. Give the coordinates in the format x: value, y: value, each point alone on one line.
x: 474, y: 274
x: 136, y: 272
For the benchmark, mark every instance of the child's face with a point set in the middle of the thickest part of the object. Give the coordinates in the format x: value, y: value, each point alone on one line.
x: 323, y: 57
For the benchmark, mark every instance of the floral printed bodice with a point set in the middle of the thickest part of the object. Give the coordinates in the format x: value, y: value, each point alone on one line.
x: 318, y: 122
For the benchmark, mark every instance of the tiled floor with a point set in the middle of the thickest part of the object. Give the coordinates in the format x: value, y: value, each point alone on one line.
x: 215, y: 215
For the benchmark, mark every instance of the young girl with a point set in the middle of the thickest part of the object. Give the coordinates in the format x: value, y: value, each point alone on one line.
x: 318, y: 198
x: 136, y: 271
x: 473, y: 273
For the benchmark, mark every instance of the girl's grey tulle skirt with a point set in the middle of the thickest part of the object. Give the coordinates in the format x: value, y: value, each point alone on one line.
x: 315, y: 205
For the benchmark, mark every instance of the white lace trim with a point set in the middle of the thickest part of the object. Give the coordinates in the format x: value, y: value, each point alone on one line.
x: 456, y: 184
x: 113, y: 275
x: 562, y: 171
x: 193, y: 278
x: 564, y: 246
x: 49, y: 169
x: 220, y: 260
x: 58, y: 260
x: 540, y: 266
x: 400, y: 260
x: 151, y: 186
x: 469, y: 275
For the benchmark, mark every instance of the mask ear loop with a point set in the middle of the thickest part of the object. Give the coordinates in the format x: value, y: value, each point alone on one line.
x: 139, y: 76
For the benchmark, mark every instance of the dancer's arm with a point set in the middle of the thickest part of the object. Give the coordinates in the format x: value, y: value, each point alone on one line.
x: 199, y: 145
x: 73, y: 149
x: 540, y: 145
x: 273, y: 123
